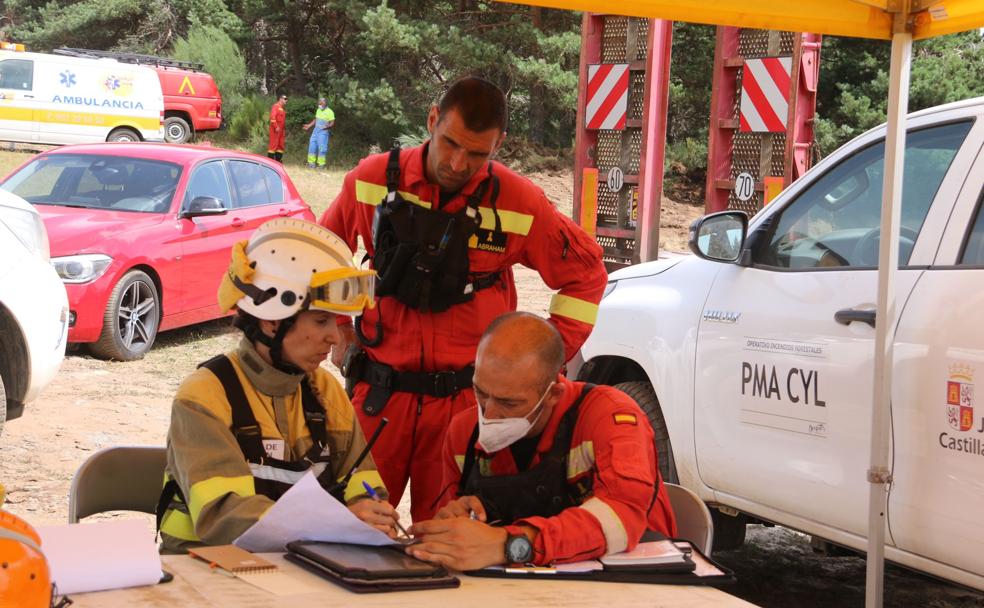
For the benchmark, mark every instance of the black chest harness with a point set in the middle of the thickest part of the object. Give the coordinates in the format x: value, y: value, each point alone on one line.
x: 421, y: 258
x: 272, y: 477
x: 542, y: 490
x: 421, y: 255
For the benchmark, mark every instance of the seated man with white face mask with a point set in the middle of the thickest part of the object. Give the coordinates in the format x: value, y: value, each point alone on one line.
x: 544, y: 470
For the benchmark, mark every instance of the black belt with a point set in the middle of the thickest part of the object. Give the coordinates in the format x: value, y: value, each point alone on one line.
x: 435, y: 384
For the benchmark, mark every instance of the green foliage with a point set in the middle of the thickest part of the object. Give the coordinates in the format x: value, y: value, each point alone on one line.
x: 251, y: 122
x: 213, y: 47
x: 691, y: 71
x: 300, y: 110
x: 413, y: 138
x: 97, y: 24
x: 124, y: 25
x: 686, y: 168
x: 382, y: 63
x: 688, y: 156
x: 853, y: 91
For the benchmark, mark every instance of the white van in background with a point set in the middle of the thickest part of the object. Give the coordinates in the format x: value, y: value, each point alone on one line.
x: 51, y: 99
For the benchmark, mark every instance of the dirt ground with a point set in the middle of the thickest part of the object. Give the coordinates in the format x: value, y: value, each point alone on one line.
x: 93, y: 404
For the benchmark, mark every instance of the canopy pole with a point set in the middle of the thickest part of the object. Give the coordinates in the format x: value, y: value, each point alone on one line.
x: 879, y: 473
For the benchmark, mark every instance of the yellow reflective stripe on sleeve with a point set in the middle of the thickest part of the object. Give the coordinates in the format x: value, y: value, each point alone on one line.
x: 178, y: 525
x: 460, y: 461
x: 206, y: 491
x: 580, y: 459
x: 574, y: 308
x: 616, y: 539
x: 355, y: 487
x: 373, y: 194
x: 512, y: 221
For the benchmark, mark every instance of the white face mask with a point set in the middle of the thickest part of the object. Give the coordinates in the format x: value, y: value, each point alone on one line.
x: 493, y: 435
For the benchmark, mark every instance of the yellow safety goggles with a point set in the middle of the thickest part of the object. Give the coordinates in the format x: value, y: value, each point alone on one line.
x: 343, y: 290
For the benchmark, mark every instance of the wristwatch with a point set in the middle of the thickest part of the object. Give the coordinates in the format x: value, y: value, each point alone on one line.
x: 519, y: 549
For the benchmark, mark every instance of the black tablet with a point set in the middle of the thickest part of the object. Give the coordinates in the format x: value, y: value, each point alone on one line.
x: 364, y: 562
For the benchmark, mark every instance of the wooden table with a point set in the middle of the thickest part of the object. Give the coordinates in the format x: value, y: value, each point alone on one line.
x: 196, y: 585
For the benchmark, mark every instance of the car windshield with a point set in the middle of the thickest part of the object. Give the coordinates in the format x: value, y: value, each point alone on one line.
x: 95, y: 181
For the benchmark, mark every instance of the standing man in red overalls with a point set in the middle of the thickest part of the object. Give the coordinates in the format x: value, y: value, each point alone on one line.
x: 444, y: 225
x: 278, y: 125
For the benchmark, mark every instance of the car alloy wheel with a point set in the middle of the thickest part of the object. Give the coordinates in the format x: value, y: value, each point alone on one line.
x: 131, y: 319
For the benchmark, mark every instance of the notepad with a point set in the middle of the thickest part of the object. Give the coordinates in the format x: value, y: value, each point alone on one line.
x: 252, y: 569
x: 647, y: 554
x: 233, y: 559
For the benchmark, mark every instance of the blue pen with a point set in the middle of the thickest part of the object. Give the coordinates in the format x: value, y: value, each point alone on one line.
x: 371, y: 491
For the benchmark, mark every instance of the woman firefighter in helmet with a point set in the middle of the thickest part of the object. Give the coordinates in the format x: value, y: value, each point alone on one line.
x: 248, y: 424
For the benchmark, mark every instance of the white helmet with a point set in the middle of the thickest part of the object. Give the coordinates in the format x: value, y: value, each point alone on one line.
x: 289, y: 265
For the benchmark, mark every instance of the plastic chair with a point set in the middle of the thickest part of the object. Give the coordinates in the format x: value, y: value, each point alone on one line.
x: 122, y: 478
x: 693, y: 518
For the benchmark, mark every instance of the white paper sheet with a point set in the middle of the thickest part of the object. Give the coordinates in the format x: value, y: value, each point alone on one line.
x: 588, y: 565
x: 307, y: 512
x: 102, y: 555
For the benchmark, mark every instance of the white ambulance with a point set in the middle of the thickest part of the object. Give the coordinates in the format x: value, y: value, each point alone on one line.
x: 50, y: 99
x: 754, y: 357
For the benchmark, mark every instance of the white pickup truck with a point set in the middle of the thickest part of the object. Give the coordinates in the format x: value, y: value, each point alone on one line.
x: 753, y: 358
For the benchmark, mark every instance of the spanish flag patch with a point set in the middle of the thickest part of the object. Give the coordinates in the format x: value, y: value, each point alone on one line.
x: 626, y: 419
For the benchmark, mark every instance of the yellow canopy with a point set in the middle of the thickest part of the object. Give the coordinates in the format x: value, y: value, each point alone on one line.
x: 860, y: 18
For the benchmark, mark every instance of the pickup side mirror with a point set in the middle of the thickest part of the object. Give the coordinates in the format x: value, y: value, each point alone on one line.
x: 204, y: 206
x: 719, y: 237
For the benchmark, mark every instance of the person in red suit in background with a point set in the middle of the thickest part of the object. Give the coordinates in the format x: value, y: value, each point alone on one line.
x: 278, y: 125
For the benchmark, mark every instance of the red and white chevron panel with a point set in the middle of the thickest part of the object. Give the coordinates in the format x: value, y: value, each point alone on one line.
x: 608, y: 96
x: 765, y: 94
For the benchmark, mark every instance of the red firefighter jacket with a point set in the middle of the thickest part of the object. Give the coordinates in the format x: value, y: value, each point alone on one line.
x: 612, y: 443
x: 278, y: 117
x: 537, y: 236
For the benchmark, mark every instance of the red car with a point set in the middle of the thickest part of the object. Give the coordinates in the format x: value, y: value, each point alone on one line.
x: 141, y: 233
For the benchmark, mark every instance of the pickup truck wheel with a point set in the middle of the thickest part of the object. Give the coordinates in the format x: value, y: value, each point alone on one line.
x: 645, y: 396
x: 176, y: 130
x: 729, y: 531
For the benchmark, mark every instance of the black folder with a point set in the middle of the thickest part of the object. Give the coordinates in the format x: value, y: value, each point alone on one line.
x: 364, y: 569
x: 699, y: 570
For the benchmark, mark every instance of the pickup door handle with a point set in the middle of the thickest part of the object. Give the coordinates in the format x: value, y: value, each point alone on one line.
x: 849, y: 315
x: 238, y: 222
x: 284, y: 212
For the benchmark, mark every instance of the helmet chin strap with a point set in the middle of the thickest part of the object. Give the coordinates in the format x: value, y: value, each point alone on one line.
x: 276, y: 345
